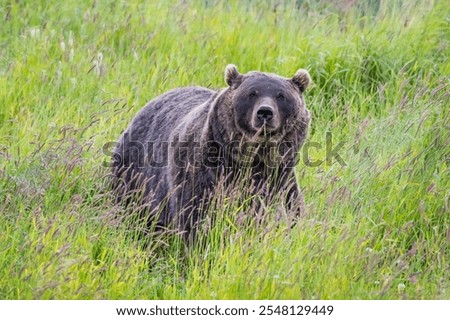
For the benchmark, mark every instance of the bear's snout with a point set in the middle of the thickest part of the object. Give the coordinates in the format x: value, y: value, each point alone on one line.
x: 266, y: 115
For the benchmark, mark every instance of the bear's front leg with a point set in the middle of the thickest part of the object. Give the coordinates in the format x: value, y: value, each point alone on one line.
x: 294, y: 200
x: 189, y: 202
x: 291, y: 195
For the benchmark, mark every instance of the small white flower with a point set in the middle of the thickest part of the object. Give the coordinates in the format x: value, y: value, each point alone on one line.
x: 136, y: 57
x: 70, y: 41
x: 71, y: 54
x: 59, y: 72
x: 63, y: 46
x: 44, y: 76
x: 98, y: 64
x: 35, y: 32
x: 401, y: 286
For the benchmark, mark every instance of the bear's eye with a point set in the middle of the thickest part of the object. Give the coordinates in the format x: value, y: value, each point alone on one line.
x: 252, y: 95
x: 280, y: 97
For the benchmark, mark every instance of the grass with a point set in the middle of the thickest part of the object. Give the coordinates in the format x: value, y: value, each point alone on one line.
x: 73, y: 74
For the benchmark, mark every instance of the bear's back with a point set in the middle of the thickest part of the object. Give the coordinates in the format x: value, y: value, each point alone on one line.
x: 158, y: 118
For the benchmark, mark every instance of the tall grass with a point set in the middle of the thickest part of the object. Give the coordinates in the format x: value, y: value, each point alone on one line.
x: 73, y: 74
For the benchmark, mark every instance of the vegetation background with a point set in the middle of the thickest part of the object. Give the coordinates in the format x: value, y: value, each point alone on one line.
x: 74, y: 73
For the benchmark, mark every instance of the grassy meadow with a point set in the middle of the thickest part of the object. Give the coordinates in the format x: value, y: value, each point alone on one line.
x: 74, y: 73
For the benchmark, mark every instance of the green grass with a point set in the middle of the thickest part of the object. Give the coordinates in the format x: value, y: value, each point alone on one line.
x: 72, y: 75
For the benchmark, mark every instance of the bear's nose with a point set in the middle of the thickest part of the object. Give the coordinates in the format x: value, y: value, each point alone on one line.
x: 264, y: 113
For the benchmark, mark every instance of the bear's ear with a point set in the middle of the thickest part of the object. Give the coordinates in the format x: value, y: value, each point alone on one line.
x: 232, y: 75
x: 301, y: 79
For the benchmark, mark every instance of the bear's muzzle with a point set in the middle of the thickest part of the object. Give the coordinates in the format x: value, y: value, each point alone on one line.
x: 266, y: 116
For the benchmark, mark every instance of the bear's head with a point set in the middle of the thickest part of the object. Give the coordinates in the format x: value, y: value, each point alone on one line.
x: 264, y: 105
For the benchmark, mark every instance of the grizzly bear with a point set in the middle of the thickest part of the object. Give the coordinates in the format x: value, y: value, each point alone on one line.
x: 189, y: 141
